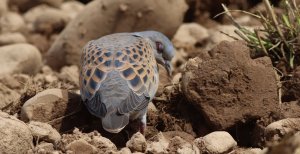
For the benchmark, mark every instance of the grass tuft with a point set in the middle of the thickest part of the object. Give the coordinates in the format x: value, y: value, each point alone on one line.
x: 278, y: 38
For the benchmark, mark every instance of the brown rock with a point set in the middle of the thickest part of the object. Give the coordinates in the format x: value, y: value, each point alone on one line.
x: 60, y: 108
x: 229, y: 86
x: 99, y: 18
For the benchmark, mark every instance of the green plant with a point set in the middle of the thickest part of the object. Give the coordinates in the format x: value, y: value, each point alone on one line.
x: 278, y: 38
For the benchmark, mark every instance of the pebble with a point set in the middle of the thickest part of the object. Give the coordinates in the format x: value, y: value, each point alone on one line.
x: 217, y: 142
x: 19, y: 58
x: 137, y: 143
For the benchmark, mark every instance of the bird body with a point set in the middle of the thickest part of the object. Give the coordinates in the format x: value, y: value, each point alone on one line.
x: 118, y: 78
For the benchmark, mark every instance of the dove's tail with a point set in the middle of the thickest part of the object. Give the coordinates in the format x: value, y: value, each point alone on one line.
x: 114, y: 122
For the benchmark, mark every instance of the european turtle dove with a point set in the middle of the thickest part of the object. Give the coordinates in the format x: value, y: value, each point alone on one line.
x: 119, y: 76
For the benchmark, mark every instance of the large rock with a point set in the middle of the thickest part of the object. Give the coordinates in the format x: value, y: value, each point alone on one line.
x: 216, y: 143
x: 19, y: 58
x: 15, y: 136
x: 104, y: 17
x: 227, y: 86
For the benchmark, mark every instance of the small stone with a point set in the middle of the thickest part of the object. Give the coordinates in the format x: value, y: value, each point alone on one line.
x: 124, y: 150
x: 152, y: 108
x: 12, y: 38
x: 3, y: 7
x: 189, y: 34
x: 44, y: 132
x: 70, y: 73
x: 137, y: 143
x: 7, y: 96
x: 81, y: 146
x: 177, y: 78
x: 103, y: 144
x: 247, y: 151
x: 19, y: 58
x: 44, y: 147
x: 180, y: 146
x: 15, y: 136
x: 290, y: 144
x: 11, y: 22
x: 50, y: 21
x: 72, y: 8
x: 217, y: 142
x: 158, y: 144
x: 25, y: 5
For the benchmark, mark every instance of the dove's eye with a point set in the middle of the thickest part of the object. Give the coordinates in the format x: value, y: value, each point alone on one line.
x: 159, y: 47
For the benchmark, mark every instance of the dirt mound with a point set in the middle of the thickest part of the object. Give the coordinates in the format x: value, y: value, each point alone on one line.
x: 227, y: 86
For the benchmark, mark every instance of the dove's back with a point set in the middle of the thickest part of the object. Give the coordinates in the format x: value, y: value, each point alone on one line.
x: 118, y: 78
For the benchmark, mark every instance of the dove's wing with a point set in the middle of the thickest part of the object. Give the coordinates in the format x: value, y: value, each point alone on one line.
x: 118, y: 76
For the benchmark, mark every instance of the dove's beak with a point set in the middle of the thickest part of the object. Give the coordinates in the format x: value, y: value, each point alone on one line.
x: 168, y: 67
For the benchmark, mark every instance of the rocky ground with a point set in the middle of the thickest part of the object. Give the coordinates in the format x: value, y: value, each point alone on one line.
x: 219, y: 100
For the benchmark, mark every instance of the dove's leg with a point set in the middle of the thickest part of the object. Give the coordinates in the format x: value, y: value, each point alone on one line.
x: 143, y: 123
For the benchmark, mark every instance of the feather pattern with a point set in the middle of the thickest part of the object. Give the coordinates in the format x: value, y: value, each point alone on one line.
x: 118, y: 77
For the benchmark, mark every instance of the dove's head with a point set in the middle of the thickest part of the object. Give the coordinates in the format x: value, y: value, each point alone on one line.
x: 164, y: 50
